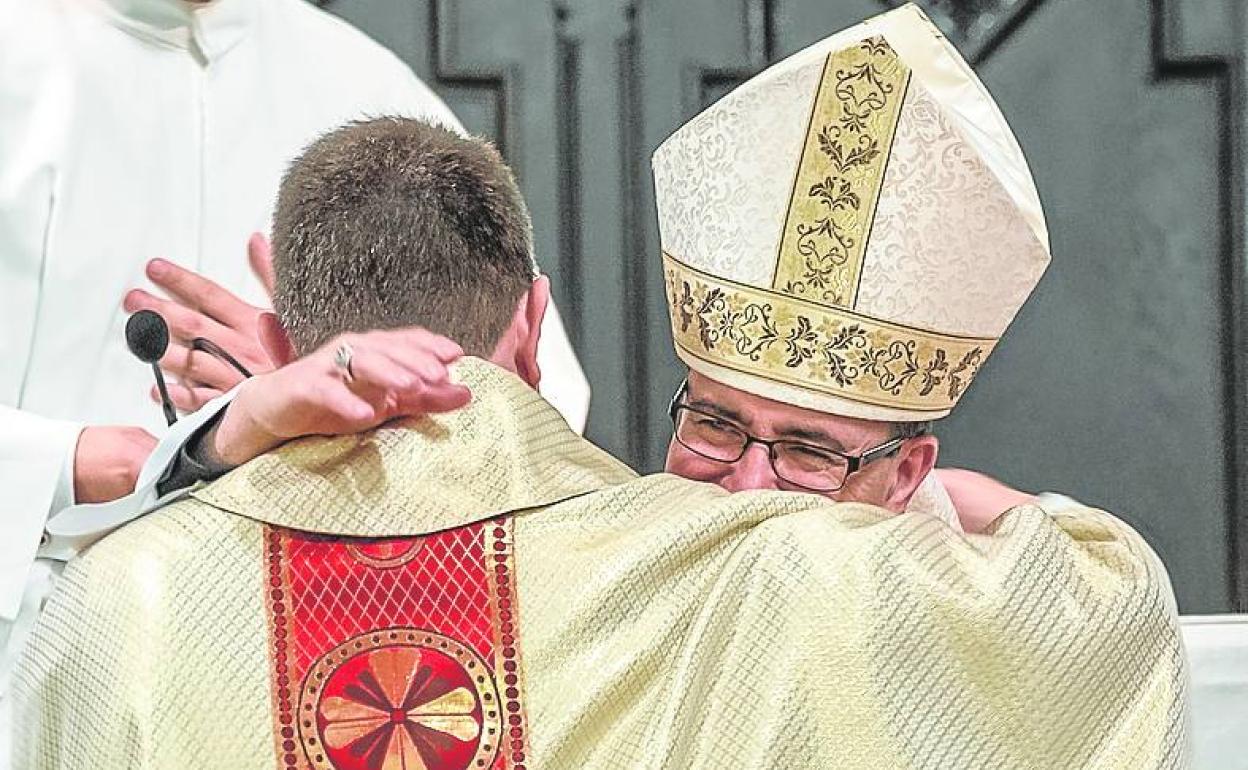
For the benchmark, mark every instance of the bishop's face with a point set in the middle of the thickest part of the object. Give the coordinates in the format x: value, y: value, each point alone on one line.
x: 713, y: 420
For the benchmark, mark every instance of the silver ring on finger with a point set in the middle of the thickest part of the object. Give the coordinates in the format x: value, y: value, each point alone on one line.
x: 342, y: 362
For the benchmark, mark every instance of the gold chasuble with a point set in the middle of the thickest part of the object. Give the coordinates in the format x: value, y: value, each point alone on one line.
x: 485, y: 589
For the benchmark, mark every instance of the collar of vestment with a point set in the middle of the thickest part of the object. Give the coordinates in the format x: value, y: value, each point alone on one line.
x: 508, y: 450
x: 212, y: 27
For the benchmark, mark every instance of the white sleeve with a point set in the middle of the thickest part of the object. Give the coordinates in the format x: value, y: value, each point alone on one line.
x: 33, y: 453
x: 36, y: 91
x: 563, y: 382
x: 75, y: 528
x: 64, y: 496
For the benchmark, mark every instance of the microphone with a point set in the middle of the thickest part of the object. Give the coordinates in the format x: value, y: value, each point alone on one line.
x: 147, y: 336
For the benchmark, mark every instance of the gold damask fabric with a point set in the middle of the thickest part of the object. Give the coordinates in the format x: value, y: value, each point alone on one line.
x: 840, y: 173
x: 646, y: 622
x: 741, y: 330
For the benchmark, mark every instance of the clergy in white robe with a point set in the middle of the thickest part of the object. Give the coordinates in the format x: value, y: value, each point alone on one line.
x: 133, y: 129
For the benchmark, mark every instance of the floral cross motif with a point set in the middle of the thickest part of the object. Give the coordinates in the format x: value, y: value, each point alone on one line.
x: 400, y: 708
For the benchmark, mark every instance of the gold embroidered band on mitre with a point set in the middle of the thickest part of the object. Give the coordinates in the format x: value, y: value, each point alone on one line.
x: 815, y: 347
x: 837, y: 186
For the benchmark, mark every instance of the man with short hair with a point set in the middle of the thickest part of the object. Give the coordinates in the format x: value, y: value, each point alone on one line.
x: 132, y: 129
x: 434, y: 208
x: 482, y: 588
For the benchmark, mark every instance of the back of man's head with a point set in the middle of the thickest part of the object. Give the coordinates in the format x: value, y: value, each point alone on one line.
x: 394, y: 222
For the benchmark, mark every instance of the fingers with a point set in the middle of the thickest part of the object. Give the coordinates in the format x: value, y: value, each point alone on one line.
x: 184, y: 324
x: 342, y: 409
x: 310, y: 395
x: 444, y: 349
x: 415, y: 401
x: 394, y: 385
x: 445, y: 397
x: 432, y: 390
x: 426, y: 358
x: 415, y: 340
x: 422, y: 351
x: 420, y: 398
x: 198, y: 293
x: 420, y: 369
x: 373, y: 370
x: 199, y: 368
x: 260, y: 256
x: 423, y: 359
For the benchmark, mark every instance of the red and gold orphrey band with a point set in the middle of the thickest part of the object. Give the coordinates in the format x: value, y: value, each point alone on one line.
x: 399, y: 652
x: 790, y: 340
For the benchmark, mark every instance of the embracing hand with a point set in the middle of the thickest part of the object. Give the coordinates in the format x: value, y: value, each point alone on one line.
x: 198, y: 307
x: 397, y: 373
x: 979, y: 499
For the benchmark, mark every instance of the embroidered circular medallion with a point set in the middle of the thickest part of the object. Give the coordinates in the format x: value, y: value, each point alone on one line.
x: 400, y: 698
x: 386, y: 553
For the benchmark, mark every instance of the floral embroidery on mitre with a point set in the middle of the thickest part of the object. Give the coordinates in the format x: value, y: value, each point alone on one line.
x: 855, y: 114
x: 819, y: 349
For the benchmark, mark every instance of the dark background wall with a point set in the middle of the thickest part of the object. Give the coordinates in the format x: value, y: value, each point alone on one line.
x: 1122, y: 381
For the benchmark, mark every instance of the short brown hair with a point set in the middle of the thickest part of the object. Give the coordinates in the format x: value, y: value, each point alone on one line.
x: 395, y: 222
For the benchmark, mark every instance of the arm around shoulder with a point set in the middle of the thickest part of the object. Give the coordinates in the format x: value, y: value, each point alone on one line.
x: 880, y: 642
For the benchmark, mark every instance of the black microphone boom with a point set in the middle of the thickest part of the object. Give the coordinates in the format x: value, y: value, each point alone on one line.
x: 205, y: 345
x: 147, y: 336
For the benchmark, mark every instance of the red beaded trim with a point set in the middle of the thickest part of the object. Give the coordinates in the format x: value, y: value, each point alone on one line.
x: 501, y: 626
x: 278, y: 606
x: 499, y: 552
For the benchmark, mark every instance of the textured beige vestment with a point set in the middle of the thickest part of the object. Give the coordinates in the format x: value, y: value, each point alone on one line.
x: 851, y: 231
x: 487, y: 589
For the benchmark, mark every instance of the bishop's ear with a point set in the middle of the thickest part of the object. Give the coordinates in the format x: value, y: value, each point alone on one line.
x: 915, y: 460
x: 274, y: 340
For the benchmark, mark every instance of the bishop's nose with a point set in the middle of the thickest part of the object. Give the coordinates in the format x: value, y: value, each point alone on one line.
x: 752, y: 471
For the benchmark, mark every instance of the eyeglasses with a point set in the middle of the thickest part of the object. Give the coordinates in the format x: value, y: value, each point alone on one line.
x: 814, y: 468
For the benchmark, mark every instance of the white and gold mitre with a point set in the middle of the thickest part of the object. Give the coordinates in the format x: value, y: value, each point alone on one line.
x: 851, y: 230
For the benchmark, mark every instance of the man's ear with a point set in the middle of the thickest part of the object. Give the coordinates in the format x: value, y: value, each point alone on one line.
x: 915, y: 460
x: 275, y: 340
x: 533, y: 307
